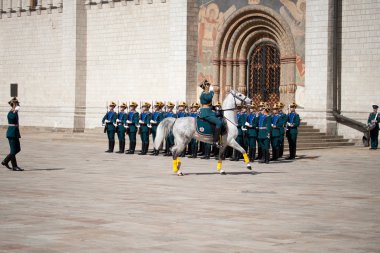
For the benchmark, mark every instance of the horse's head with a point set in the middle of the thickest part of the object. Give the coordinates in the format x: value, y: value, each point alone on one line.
x: 240, y: 98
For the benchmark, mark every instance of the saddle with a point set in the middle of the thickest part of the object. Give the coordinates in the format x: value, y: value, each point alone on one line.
x: 206, y: 128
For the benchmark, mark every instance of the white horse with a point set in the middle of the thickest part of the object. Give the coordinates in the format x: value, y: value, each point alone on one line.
x: 184, y: 129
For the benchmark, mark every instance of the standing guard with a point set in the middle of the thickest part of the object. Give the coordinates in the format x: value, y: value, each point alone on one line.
x: 293, y: 122
x: 132, y: 123
x: 373, y: 125
x: 181, y: 113
x: 157, y: 117
x: 251, y: 125
x: 169, y: 141
x: 110, y: 120
x: 144, y: 127
x: 275, y: 132
x: 241, y: 120
x: 264, y: 125
x: 259, y: 152
x: 283, y: 119
x: 13, y: 135
x: 121, y: 121
x: 193, y: 145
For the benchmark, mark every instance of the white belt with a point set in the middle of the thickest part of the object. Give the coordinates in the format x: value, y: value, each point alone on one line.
x: 12, y: 125
x: 261, y: 128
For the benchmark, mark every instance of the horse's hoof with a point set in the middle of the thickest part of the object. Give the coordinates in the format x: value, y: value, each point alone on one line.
x: 249, y: 167
x: 180, y: 174
x: 222, y: 172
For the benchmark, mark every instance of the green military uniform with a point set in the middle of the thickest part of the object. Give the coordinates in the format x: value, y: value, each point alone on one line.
x: 275, y: 136
x: 13, y: 136
x: 241, y: 120
x: 251, y: 125
x: 374, y: 133
x: 264, y: 126
x: 293, y: 122
x: 144, y: 131
x: 193, y: 145
x: 132, y: 123
x: 110, y: 120
x: 121, y: 121
x: 283, y: 119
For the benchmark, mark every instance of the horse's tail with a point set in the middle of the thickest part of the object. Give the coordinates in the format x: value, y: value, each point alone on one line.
x: 163, y: 130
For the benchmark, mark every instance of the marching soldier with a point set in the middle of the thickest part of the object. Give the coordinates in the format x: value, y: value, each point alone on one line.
x: 293, y: 122
x: 251, y: 125
x: 157, y: 117
x: 275, y: 132
x: 144, y: 127
x: 193, y: 145
x: 132, y: 123
x: 373, y: 123
x: 121, y: 121
x: 283, y: 118
x: 13, y: 135
x: 259, y: 152
x: 264, y: 125
x: 169, y: 141
x: 110, y: 120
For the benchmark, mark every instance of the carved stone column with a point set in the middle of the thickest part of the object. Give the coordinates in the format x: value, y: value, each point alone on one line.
x: 111, y: 3
x: 18, y: 9
x: 288, y: 85
x: 49, y: 6
x: 9, y: 12
x: 39, y: 7
x: 1, y: 9
x: 216, y: 79
x: 60, y: 5
x: 242, y: 65
x: 229, y: 77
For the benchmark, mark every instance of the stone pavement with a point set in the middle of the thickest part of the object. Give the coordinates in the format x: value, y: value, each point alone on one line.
x: 73, y: 197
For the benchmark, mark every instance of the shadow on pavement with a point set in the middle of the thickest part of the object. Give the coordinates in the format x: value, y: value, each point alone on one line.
x: 47, y: 169
x: 233, y: 173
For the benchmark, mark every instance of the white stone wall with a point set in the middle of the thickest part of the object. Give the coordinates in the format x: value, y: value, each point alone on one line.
x: 135, y: 52
x: 360, y: 60
x: 31, y: 54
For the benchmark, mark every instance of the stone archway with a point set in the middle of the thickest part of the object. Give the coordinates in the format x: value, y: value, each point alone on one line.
x: 243, y: 30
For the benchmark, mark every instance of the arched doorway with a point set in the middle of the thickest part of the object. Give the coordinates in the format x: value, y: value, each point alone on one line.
x: 264, y: 73
x: 247, y: 29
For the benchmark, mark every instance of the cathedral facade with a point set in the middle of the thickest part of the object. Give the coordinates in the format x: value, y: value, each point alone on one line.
x: 70, y: 58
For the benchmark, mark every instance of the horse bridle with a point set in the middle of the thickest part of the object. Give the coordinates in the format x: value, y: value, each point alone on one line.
x: 243, y: 102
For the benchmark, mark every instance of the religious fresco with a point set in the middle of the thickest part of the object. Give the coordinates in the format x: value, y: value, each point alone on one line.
x: 213, y: 14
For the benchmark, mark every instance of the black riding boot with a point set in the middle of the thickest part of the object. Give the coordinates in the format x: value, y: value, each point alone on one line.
x: 14, y: 164
x: 216, y: 137
x: 6, y: 161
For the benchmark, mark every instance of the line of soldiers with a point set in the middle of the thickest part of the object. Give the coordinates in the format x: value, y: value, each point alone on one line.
x: 258, y: 128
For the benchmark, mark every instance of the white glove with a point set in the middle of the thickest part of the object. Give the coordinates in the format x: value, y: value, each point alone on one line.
x: 17, y: 108
x: 149, y: 126
x: 273, y: 125
x: 141, y: 122
x: 129, y: 122
x: 107, y: 121
x: 288, y: 123
x: 153, y: 121
x: 247, y: 124
x: 118, y: 121
x: 211, y: 88
x: 244, y: 129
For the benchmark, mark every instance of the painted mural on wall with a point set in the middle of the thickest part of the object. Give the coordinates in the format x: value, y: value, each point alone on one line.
x: 213, y: 13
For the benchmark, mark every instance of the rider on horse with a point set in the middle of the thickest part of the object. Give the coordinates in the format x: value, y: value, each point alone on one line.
x: 206, y: 111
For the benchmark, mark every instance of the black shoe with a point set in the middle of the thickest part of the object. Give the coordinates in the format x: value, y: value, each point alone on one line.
x: 17, y: 169
x: 205, y: 157
x: 168, y: 154
x: 6, y: 165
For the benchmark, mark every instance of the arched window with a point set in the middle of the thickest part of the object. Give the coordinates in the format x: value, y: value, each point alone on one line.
x: 264, y: 74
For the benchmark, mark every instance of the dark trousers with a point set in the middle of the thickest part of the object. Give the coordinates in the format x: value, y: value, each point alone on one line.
x: 374, y: 135
x: 14, y: 145
x: 292, y: 139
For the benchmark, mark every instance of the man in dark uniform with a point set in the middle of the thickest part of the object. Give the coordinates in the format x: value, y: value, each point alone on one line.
x: 157, y: 117
x: 110, y: 121
x: 13, y: 135
x: 251, y: 125
x: 283, y: 119
x: 292, y: 125
x: 373, y: 122
x: 259, y: 152
x: 169, y: 141
x: 121, y: 121
x: 264, y: 125
x: 132, y: 123
x: 276, y: 132
x: 193, y: 145
x: 144, y: 125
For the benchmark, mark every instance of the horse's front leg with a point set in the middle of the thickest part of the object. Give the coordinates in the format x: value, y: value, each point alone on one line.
x: 220, y: 161
x: 236, y: 146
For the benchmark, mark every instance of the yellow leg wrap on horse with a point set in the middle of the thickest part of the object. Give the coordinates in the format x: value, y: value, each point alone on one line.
x: 175, y: 167
x: 246, y: 159
x: 178, y: 161
x: 219, y: 165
